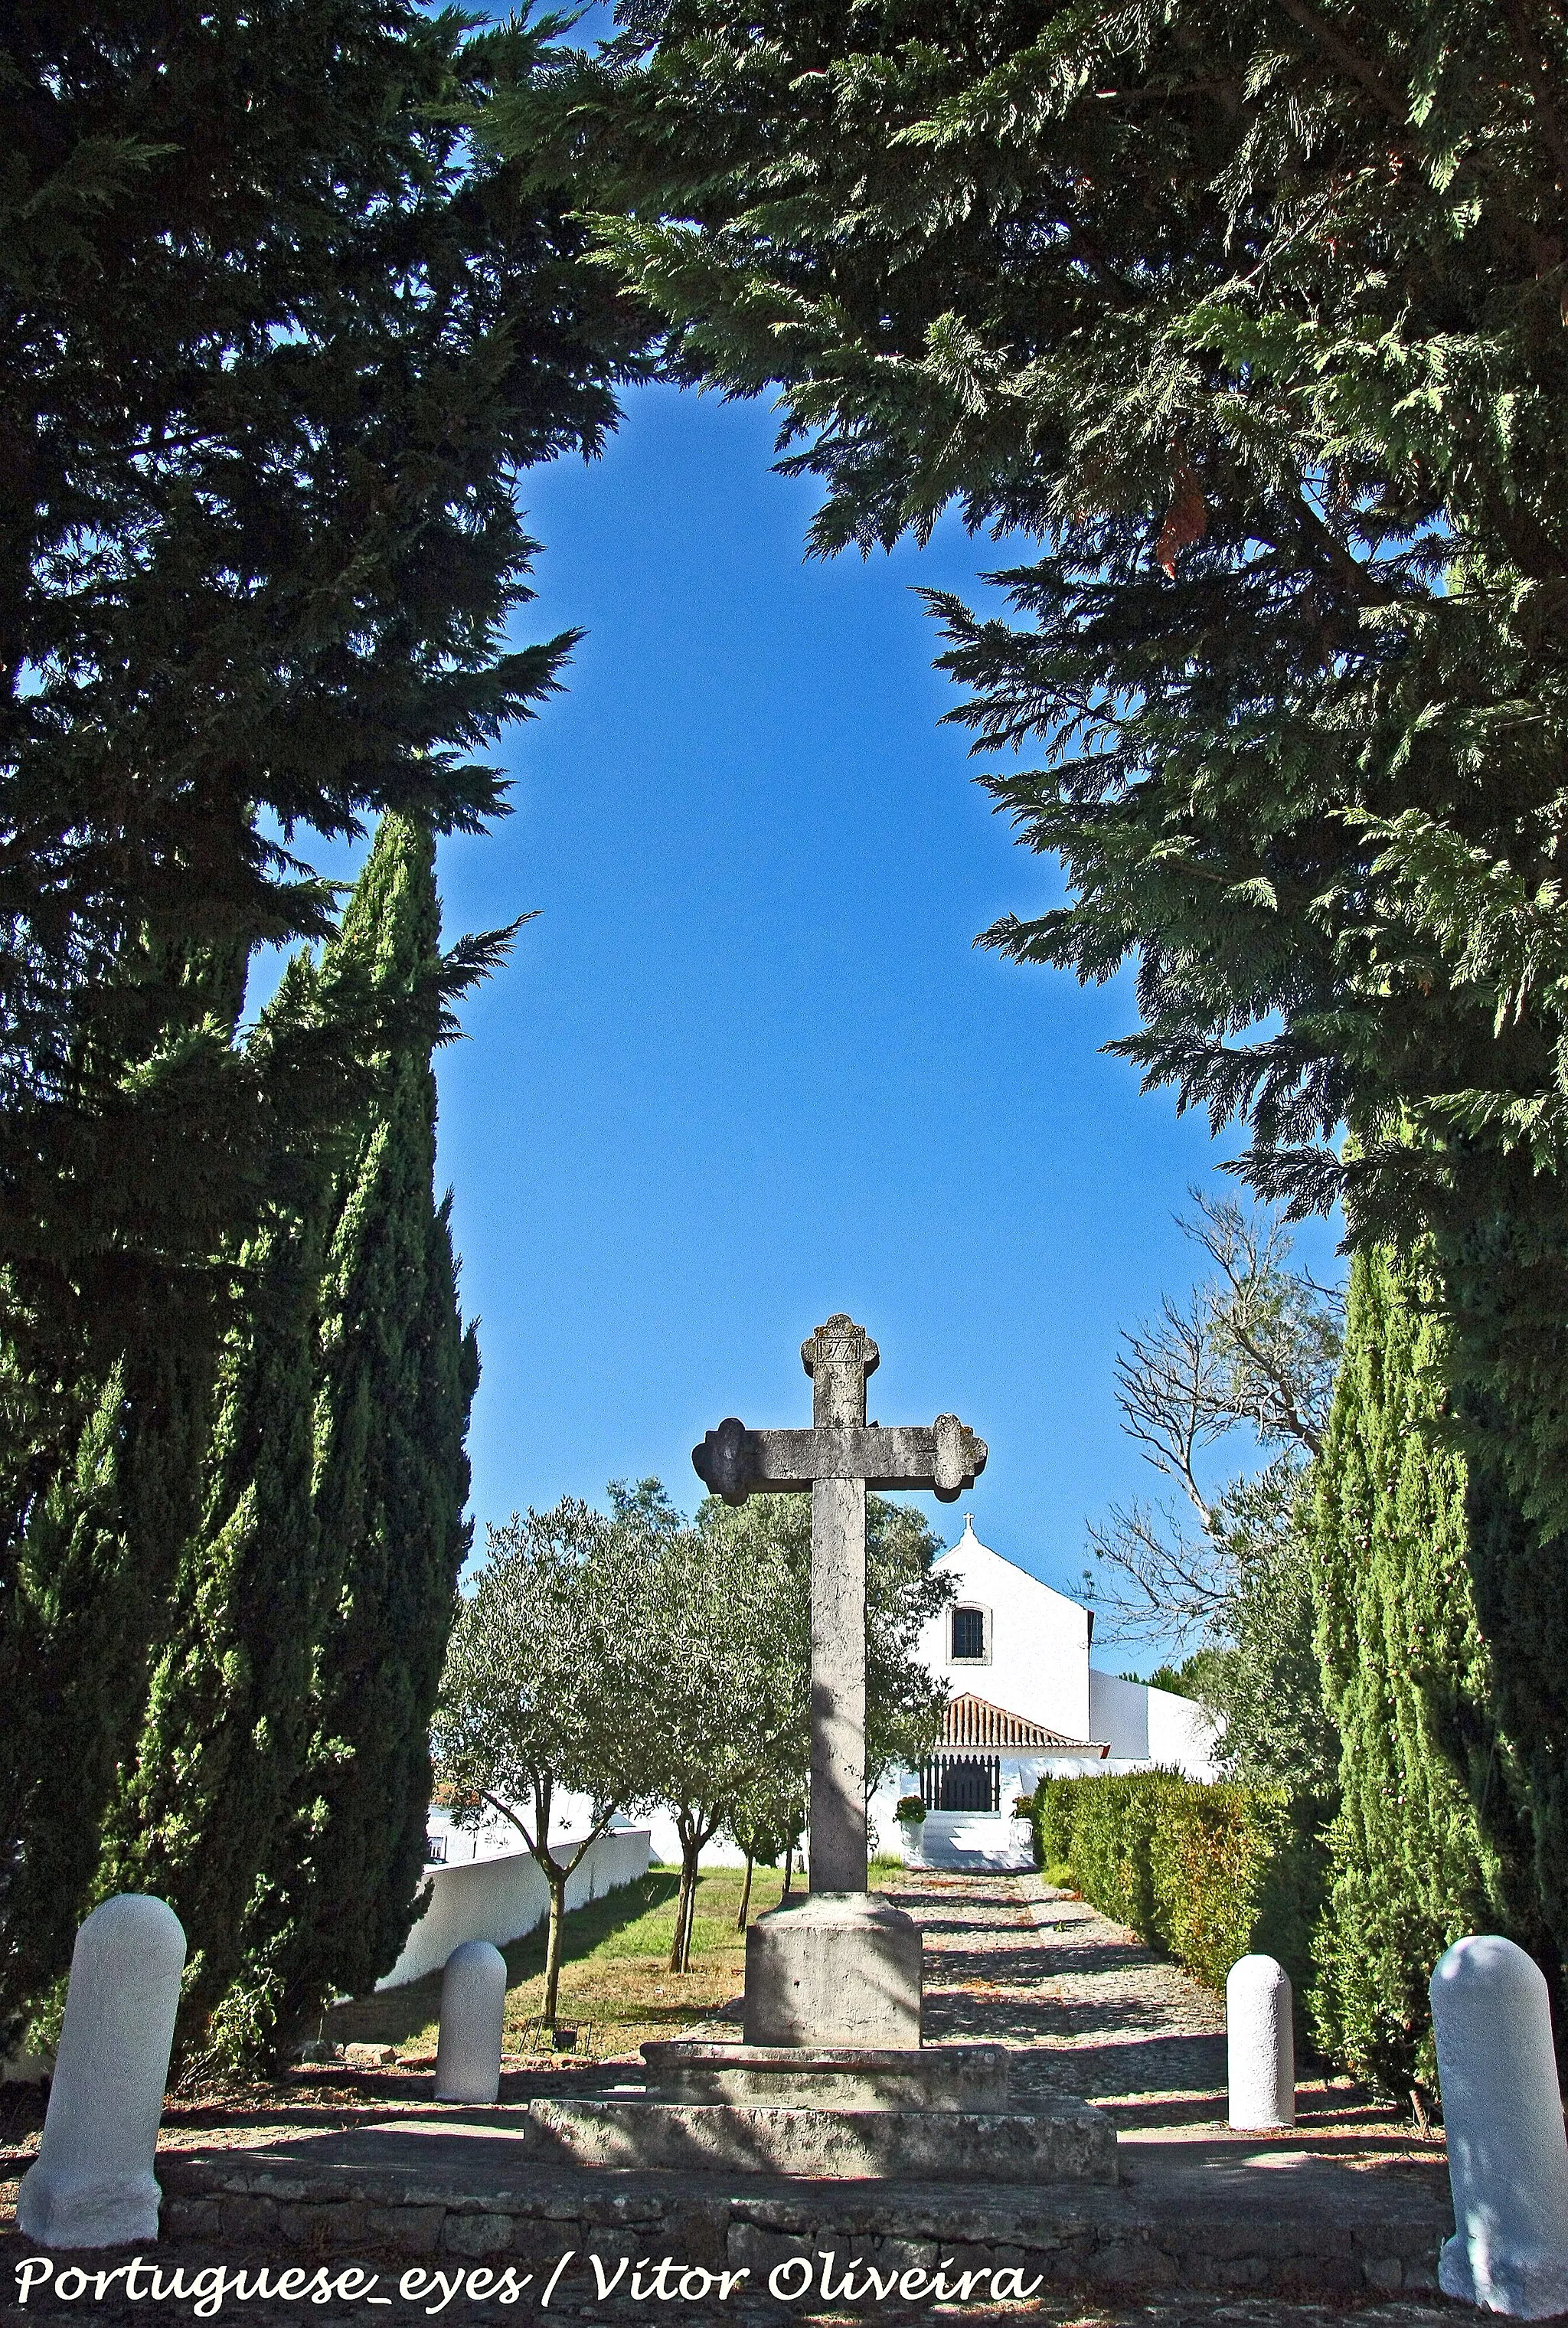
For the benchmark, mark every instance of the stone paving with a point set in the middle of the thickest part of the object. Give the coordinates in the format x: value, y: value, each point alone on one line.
x: 1093, y: 2011
x: 1096, y: 2014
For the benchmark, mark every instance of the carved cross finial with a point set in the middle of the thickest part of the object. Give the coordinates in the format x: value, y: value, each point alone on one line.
x: 838, y: 1357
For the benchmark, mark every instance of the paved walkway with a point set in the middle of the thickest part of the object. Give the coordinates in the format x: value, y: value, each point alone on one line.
x: 1096, y: 2013
x: 1093, y: 2011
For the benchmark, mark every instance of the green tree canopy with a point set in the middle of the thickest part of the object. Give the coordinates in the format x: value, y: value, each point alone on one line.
x: 543, y: 1690
x: 1427, y: 1845
x: 1253, y: 317
x: 280, y: 335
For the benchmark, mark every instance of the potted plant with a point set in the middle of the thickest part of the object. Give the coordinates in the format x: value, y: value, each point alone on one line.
x: 910, y: 1813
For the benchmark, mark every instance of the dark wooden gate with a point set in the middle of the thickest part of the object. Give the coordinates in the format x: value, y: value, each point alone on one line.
x: 962, y: 1782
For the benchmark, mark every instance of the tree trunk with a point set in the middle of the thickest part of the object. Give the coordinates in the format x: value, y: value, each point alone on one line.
x: 745, y: 1897
x: 688, y: 1878
x: 691, y: 1912
x: 686, y: 1911
x: 789, y: 1859
x: 552, y: 1955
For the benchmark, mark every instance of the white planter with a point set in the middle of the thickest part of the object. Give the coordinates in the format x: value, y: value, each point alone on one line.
x: 911, y: 1831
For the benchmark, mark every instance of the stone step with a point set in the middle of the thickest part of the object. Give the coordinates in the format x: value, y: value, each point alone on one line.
x: 831, y: 2076
x: 1066, y: 2142
x: 1220, y: 2216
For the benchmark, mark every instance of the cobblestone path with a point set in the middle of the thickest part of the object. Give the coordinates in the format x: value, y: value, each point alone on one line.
x: 1009, y: 1961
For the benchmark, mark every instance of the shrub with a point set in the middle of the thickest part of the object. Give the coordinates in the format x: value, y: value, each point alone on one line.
x: 1209, y: 1873
x: 909, y: 1810
x: 1052, y: 1821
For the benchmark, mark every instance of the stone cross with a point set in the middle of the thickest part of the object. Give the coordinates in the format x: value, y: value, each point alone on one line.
x: 838, y: 1458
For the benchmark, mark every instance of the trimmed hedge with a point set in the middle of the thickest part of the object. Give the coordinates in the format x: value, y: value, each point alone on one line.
x: 1208, y: 1872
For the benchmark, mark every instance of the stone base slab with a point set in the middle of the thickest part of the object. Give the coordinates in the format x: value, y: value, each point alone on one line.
x: 1204, y: 2217
x: 1069, y: 2141
x: 831, y: 2077
x: 835, y: 1968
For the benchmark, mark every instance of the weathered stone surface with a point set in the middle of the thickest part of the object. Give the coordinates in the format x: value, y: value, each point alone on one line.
x: 1261, y: 2044
x: 92, y: 2184
x: 1344, y: 2235
x: 1506, y: 2147
x: 477, y: 2235
x: 249, y: 2221
x: 191, y: 2218
x: 472, y: 2010
x: 406, y: 2230
x: 836, y: 1459
x: 1069, y: 2142
x: 831, y: 2076
x: 837, y: 1835
x: 835, y: 1968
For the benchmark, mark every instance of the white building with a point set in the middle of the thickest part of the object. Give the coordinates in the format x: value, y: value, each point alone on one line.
x: 1026, y: 1704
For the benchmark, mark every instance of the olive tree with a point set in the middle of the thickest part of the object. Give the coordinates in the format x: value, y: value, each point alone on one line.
x: 725, y: 1653
x: 544, y: 1687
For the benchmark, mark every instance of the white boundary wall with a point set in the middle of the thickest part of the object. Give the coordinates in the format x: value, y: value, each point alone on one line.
x: 1150, y: 1728
x: 501, y: 1898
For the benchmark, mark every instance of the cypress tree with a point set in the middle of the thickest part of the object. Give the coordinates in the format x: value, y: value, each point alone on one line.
x: 200, y: 1811
x: 398, y: 1373
x: 204, y: 1810
x: 106, y: 1407
x: 1426, y: 1843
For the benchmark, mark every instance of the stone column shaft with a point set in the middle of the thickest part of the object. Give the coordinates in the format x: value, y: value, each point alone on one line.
x: 837, y: 1812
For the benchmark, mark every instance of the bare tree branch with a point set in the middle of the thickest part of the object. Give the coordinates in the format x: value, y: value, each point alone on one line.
x: 1150, y: 1575
x: 1252, y: 1349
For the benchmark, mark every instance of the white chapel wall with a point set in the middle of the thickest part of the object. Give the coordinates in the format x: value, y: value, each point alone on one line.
x: 1037, y: 1641
x: 1144, y: 1726
x: 1182, y: 1735
x: 1119, y: 1715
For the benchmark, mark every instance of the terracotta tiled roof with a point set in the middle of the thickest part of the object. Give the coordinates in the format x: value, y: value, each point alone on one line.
x: 975, y: 1722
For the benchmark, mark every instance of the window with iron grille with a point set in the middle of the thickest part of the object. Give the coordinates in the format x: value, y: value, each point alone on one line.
x: 969, y: 1633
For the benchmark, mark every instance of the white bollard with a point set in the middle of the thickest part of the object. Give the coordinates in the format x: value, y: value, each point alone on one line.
x: 1260, y: 2045
x: 92, y: 2184
x: 473, y: 2007
x: 1507, y: 2156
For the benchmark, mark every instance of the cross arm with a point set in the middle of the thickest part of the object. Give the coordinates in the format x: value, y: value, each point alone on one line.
x: 735, y: 1462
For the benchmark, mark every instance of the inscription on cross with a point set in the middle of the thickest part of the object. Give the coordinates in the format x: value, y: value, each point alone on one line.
x: 838, y: 1458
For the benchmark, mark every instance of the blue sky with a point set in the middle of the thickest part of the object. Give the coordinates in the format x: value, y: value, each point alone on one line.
x: 746, y: 1066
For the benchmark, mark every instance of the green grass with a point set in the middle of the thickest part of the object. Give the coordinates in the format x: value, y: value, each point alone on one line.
x: 613, y: 1973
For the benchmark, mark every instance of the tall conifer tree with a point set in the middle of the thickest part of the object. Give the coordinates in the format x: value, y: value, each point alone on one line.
x: 280, y: 335
x: 200, y: 1809
x: 398, y: 1373
x: 1426, y: 1845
